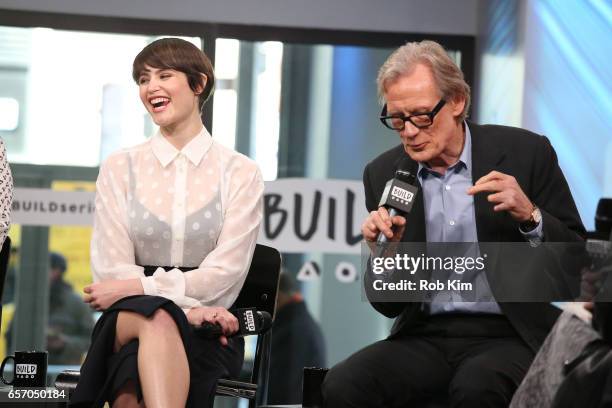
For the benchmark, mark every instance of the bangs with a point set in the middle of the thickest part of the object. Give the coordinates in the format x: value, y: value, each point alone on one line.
x: 178, y: 55
x: 166, y: 54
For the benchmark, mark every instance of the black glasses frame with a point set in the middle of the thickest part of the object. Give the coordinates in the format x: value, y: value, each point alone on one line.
x: 432, y: 114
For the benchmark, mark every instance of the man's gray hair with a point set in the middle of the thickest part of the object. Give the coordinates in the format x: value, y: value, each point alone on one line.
x: 449, y: 78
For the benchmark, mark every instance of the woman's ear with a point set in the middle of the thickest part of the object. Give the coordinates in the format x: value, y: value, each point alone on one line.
x: 202, y: 85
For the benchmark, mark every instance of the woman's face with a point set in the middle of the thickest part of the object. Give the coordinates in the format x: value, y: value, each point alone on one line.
x: 166, y: 95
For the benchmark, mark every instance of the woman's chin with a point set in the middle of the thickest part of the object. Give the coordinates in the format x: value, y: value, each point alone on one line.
x: 161, y: 121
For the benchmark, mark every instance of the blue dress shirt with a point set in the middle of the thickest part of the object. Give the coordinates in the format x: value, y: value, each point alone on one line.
x: 449, y: 217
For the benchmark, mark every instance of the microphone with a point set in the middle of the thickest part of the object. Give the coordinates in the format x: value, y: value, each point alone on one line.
x: 398, y: 196
x: 250, y: 321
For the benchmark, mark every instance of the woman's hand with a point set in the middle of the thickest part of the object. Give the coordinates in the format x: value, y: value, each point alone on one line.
x: 219, y: 315
x: 103, y: 294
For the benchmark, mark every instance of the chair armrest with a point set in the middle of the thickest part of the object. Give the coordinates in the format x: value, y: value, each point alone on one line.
x: 67, y: 380
x: 238, y: 389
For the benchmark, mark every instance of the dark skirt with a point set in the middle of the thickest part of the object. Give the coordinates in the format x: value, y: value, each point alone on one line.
x: 104, y: 373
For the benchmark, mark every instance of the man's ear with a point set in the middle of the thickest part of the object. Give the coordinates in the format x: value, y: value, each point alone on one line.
x: 202, y: 85
x: 457, y: 105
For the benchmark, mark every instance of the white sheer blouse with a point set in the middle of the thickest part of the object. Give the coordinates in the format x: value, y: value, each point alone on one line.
x: 197, y: 207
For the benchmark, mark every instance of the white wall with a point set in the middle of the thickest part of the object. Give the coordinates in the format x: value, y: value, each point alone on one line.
x: 425, y: 16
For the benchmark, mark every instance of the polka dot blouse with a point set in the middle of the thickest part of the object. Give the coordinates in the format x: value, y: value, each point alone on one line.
x: 197, y: 207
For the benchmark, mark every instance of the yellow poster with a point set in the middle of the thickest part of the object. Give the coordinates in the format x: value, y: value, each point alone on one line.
x: 70, y: 241
x: 73, y: 241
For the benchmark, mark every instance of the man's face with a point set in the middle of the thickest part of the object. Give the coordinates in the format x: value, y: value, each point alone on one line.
x: 417, y: 93
x: 54, y: 274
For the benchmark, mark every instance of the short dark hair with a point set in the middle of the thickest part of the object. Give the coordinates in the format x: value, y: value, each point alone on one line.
x: 58, y: 261
x: 179, y: 55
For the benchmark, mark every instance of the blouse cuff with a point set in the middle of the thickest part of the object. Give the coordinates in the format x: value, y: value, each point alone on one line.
x: 164, y: 283
x: 148, y: 285
x: 170, y: 285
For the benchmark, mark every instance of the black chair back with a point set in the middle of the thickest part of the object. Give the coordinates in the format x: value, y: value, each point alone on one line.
x: 259, y: 290
x: 4, y: 260
x: 261, y: 285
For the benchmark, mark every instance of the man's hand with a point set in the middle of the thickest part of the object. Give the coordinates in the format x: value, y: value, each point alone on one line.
x: 103, y: 294
x: 380, y: 221
x: 508, y: 195
x: 221, y: 316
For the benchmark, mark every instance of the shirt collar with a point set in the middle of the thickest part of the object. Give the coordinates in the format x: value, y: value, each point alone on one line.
x: 194, y: 150
x: 465, y: 158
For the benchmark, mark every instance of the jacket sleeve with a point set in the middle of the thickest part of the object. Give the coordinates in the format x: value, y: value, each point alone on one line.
x: 552, y: 195
x: 388, y: 309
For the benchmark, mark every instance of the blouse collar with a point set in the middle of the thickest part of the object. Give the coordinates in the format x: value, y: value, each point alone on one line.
x: 194, y: 150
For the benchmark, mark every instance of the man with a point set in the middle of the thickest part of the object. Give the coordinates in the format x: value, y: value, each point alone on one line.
x: 297, y: 342
x: 70, y: 320
x: 477, y: 184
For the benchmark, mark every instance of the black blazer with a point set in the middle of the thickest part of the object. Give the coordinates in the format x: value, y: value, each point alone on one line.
x: 528, y: 157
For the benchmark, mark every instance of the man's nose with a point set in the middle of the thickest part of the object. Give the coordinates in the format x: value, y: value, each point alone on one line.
x: 409, y: 131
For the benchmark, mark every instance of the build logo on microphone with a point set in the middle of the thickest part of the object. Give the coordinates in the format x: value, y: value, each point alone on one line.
x: 401, y: 195
x: 250, y: 320
x: 25, y: 370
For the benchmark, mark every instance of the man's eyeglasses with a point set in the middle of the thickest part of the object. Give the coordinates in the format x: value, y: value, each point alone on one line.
x: 420, y: 120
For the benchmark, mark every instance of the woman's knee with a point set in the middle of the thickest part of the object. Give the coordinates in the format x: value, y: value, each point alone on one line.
x: 161, y: 322
x: 127, y: 328
x: 132, y: 326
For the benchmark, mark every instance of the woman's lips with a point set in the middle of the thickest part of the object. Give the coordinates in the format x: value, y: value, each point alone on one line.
x: 159, y: 103
x: 160, y: 108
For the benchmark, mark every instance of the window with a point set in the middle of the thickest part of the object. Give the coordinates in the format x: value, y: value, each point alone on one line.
x: 9, y: 120
x: 76, y: 93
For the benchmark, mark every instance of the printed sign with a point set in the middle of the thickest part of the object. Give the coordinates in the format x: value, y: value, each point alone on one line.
x: 300, y: 215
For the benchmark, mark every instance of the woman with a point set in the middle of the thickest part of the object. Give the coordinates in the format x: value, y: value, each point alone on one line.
x: 6, y: 194
x: 182, y: 201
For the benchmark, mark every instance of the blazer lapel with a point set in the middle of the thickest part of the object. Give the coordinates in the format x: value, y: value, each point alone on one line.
x: 486, y: 157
